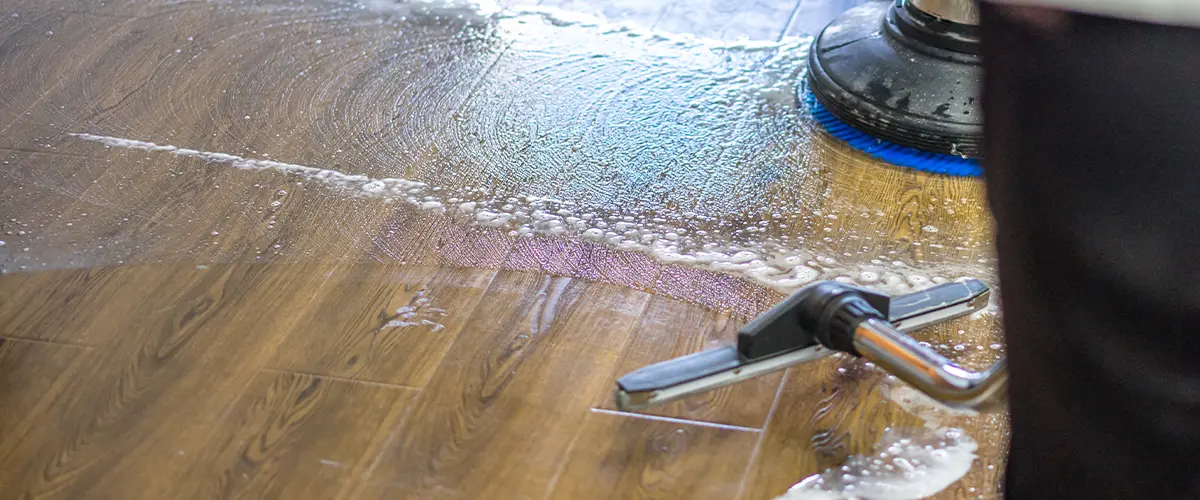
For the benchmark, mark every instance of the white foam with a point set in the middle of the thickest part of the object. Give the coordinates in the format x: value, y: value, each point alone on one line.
x: 905, y: 465
x: 470, y: 10
x: 420, y: 312
x: 917, y: 403
x: 766, y: 261
x: 489, y: 11
x: 378, y: 187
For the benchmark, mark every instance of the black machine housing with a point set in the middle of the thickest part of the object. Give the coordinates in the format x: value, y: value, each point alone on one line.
x: 897, y: 73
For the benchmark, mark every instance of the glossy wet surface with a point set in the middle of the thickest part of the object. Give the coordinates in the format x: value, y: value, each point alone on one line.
x: 655, y: 147
x: 530, y: 121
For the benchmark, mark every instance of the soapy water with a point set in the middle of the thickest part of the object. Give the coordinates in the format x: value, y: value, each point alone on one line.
x: 767, y: 262
x: 419, y: 312
x: 906, y: 464
x: 699, y: 100
x: 558, y: 125
x: 913, y: 462
x: 685, y: 148
x: 597, y: 16
x: 917, y: 403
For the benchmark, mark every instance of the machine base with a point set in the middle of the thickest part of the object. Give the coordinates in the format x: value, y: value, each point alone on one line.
x: 906, y: 79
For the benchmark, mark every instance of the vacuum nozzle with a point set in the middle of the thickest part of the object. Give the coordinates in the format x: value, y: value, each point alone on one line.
x: 824, y: 318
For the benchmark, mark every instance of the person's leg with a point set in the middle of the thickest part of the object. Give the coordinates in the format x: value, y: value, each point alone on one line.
x: 1092, y: 160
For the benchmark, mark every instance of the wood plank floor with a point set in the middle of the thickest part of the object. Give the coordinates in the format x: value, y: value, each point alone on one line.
x: 186, y: 312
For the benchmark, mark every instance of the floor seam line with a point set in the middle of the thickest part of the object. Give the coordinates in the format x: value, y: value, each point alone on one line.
x: 763, y: 436
x: 683, y: 421
x: 337, y: 378
x: 44, y: 341
x: 791, y: 21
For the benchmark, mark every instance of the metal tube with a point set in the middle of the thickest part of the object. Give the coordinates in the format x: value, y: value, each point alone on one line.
x: 958, y: 11
x: 928, y: 371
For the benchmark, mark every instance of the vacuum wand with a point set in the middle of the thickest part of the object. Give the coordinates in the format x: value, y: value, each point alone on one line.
x: 928, y: 371
x: 828, y: 317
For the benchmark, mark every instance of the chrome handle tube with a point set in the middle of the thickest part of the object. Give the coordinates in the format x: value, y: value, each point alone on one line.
x: 928, y: 371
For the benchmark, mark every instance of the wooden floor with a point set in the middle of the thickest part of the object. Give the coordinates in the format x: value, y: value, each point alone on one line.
x: 172, y: 327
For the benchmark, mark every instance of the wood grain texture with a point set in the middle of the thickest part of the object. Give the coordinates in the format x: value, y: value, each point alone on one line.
x: 56, y: 306
x: 27, y: 34
x: 295, y: 436
x: 165, y: 207
x: 620, y: 457
x: 388, y: 324
x: 176, y: 326
x: 511, y: 393
x: 841, y: 406
x: 131, y: 424
x: 33, y: 375
x: 669, y: 329
x: 585, y: 260
x: 827, y: 412
x: 39, y: 189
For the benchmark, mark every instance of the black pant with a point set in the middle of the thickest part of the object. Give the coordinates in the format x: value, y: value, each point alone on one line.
x: 1092, y: 147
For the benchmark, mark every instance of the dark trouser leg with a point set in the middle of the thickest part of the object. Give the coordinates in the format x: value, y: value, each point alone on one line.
x: 1092, y: 147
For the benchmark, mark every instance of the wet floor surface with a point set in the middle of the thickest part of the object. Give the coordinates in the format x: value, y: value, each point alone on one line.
x: 688, y: 148
x: 657, y: 147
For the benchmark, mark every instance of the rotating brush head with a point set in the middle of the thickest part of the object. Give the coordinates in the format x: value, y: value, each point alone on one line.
x: 895, y: 154
x: 899, y: 85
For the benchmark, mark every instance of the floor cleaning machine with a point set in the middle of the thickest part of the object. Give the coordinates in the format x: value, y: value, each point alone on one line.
x: 900, y: 81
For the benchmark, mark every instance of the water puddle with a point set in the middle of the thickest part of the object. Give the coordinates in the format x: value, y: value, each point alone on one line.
x: 905, y: 465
